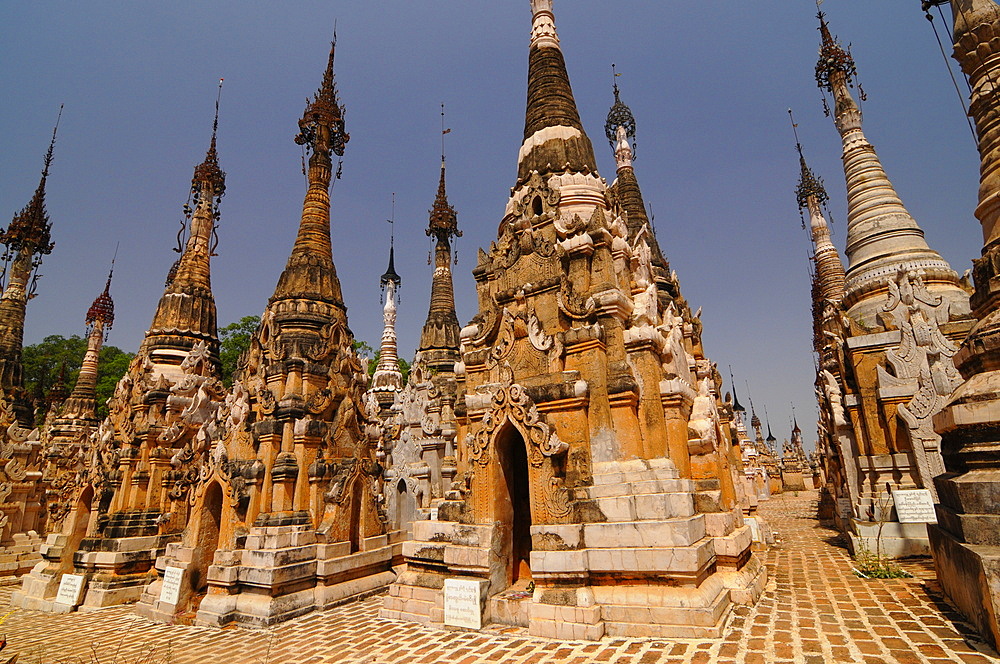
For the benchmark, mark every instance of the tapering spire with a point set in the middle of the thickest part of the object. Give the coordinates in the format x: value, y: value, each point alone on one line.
x: 388, y: 379
x: 554, y: 138
x: 736, y: 401
x: 439, y: 339
x: 882, y: 236
x: 27, y: 239
x: 102, y: 311
x: 186, y: 312
x: 30, y: 229
x: 82, y: 404
x: 310, y: 273
x: 811, y: 196
x: 975, y: 25
x: 620, y: 129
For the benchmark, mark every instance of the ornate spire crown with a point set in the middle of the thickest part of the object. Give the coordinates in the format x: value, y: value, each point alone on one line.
x: 208, y: 172
x: 620, y: 124
x: 390, y: 276
x: 832, y: 58
x: 322, y: 125
x: 443, y: 218
x: 103, y: 309
x: 30, y: 228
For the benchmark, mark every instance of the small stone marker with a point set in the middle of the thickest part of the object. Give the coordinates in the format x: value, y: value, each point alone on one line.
x: 914, y: 506
x: 754, y: 527
x: 170, y: 591
x: 462, y: 607
x: 845, y: 508
x: 70, y: 589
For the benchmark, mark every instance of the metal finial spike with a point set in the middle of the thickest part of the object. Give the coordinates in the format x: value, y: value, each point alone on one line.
x: 392, y: 222
x: 795, y: 132
x: 52, y: 143
x: 113, y: 259
x: 614, y: 79
x: 444, y: 132
x: 218, y: 97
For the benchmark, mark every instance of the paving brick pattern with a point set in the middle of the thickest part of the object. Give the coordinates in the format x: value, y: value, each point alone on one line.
x: 815, y: 610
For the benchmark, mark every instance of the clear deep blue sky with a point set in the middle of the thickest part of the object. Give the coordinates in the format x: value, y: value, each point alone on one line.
x: 708, y: 82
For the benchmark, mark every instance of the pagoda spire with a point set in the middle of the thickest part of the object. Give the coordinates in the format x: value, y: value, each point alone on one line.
x: 737, y: 406
x: 882, y: 236
x: 554, y: 138
x: 310, y: 272
x: 811, y: 196
x: 620, y: 129
x: 186, y: 313
x: 439, y: 339
x: 388, y: 379
x: 974, y: 24
x: 82, y: 403
x: 27, y: 240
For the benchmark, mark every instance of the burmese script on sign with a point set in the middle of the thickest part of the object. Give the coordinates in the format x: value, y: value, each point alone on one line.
x: 461, y: 604
x: 170, y: 591
x: 914, y: 506
x: 70, y: 589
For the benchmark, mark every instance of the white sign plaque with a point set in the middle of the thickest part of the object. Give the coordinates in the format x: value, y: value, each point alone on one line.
x: 461, y: 603
x: 170, y: 591
x: 914, y: 506
x: 434, y: 514
x: 70, y: 589
x: 754, y: 527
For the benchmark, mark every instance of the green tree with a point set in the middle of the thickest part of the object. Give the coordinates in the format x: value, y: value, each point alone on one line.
x: 234, y: 341
x: 44, y: 361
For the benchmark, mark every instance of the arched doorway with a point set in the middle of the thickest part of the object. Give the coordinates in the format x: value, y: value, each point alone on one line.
x: 76, y: 528
x: 406, y: 507
x: 514, y: 500
x: 209, y: 524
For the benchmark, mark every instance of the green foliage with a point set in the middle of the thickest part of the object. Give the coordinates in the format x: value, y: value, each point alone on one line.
x: 365, y: 352
x: 872, y: 566
x: 114, y: 364
x: 44, y: 361
x: 234, y: 341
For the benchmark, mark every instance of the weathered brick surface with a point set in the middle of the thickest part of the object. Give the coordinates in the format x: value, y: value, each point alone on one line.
x: 814, y: 611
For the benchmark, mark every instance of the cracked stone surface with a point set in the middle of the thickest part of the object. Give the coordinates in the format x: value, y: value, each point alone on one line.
x: 815, y: 610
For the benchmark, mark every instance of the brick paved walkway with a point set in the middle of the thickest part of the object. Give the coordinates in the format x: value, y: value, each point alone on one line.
x: 814, y: 610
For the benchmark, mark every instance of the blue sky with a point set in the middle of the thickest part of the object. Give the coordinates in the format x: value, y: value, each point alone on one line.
x: 709, y: 83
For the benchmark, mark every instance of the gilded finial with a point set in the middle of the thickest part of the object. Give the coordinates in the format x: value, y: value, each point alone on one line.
x: 103, y: 308
x: 322, y: 125
x: 30, y: 228
x: 832, y: 58
x: 620, y: 116
x: 390, y: 275
x: 809, y: 185
x: 208, y: 172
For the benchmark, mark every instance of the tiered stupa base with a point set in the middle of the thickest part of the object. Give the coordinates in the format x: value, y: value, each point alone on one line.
x: 117, y: 566
x: 282, y: 572
x: 640, y: 562
x: 19, y: 557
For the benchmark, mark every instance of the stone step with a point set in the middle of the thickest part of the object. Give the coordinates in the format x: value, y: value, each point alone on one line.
x: 629, y: 488
x: 646, y: 506
x: 682, y: 561
x: 682, y: 531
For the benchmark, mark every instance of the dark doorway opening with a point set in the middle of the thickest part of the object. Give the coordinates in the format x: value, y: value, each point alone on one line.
x: 515, y: 502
